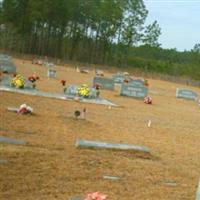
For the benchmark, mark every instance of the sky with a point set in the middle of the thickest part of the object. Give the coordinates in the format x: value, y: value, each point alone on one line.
x: 179, y: 21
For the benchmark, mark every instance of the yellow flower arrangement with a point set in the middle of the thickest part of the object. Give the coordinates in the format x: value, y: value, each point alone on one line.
x: 18, y: 81
x: 83, y: 90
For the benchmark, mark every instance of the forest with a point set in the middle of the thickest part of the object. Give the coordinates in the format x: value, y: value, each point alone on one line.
x: 106, y: 32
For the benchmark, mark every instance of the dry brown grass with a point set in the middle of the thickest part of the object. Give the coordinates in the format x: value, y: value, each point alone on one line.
x: 50, y: 167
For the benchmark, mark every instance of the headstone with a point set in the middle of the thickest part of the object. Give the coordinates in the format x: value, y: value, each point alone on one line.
x: 105, y: 145
x: 51, y: 73
x: 136, y: 83
x: 71, y: 90
x: 106, y: 83
x: 49, y: 65
x: 4, y: 57
x: 133, y: 91
x: 7, y: 66
x: 120, y: 78
x: 11, y: 141
x: 186, y: 94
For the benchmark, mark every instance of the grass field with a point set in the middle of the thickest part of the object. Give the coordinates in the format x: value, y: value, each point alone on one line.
x: 49, y: 166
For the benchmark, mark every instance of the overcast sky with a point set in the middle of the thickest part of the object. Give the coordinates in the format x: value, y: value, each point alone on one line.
x: 179, y: 21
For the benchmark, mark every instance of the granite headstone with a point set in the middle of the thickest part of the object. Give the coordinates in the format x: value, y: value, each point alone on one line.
x: 106, y: 83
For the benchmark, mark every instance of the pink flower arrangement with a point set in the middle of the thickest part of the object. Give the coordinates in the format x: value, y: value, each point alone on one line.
x: 95, y: 196
x: 148, y: 100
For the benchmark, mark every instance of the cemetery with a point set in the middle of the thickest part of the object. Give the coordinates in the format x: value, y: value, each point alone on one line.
x: 78, y: 145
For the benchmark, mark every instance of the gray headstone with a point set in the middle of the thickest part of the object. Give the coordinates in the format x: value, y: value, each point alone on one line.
x: 4, y: 57
x: 7, y: 66
x: 51, y: 73
x: 106, y: 83
x: 136, y: 83
x: 105, y: 145
x: 133, y: 91
x: 11, y: 141
x: 119, y: 78
x: 186, y: 94
x: 71, y: 90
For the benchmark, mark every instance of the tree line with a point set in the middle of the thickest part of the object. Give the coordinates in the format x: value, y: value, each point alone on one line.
x: 109, y: 32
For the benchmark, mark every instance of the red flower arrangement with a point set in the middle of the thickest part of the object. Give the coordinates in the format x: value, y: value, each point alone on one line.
x: 63, y: 82
x: 33, y: 78
x: 97, y: 86
x: 95, y: 196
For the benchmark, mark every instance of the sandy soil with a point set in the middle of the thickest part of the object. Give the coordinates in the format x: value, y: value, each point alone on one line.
x: 49, y: 166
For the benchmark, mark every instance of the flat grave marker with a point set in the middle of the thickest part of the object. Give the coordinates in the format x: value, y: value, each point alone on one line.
x: 186, y: 94
x: 198, y: 192
x: 105, y: 145
x: 11, y: 141
x: 106, y: 83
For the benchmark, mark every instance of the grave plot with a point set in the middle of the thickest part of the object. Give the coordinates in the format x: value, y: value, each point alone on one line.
x: 105, y: 83
x: 35, y: 92
x: 186, y: 94
x: 135, y: 91
x: 7, y: 82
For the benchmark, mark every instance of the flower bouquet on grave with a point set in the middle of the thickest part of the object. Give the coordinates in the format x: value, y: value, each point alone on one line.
x: 148, y: 100
x: 24, y: 109
x: 95, y: 196
x: 18, y: 81
x: 33, y: 79
x: 63, y: 82
x: 84, y: 91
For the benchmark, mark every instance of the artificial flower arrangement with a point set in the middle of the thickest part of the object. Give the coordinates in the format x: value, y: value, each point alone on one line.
x: 84, y: 90
x: 63, y: 82
x: 25, y: 109
x: 96, y: 196
x: 33, y: 79
x: 148, y: 100
x: 18, y: 81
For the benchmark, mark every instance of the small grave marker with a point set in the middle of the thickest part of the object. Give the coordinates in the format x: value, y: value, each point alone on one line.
x: 133, y: 91
x: 106, y: 83
x: 198, y: 192
x: 3, y: 162
x: 11, y: 141
x: 105, y: 145
x: 186, y: 94
x: 51, y: 73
